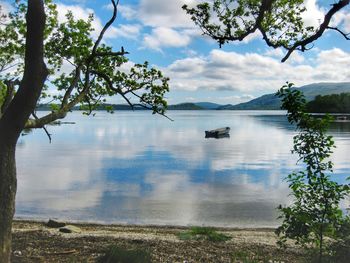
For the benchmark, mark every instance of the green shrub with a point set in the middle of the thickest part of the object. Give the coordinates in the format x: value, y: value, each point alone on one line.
x: 116, y: 254
x: 203, y: 233
x: 340, y: 247
x: 315, y: 212
x: 250, y: 257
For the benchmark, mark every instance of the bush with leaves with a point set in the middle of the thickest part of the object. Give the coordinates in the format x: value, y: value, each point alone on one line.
x: 115, y: 254
x: 315, y: 212
x: 203, y: 233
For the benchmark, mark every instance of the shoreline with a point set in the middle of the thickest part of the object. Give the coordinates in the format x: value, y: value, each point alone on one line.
x: 35, y: 242
x: 160, y: 226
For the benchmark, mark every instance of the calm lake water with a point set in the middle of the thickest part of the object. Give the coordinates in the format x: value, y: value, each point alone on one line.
x: 137, y: 168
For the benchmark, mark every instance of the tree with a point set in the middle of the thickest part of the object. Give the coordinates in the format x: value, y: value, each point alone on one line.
x: 34, y: 46
x: 334, y: 103
x: 279, y: 22
x: 315, y: 211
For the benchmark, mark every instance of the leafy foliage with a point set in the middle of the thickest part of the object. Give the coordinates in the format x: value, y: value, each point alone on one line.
x: 279, y: 22
x: 206, y: 233
x: 315, y: 211
x: 280, y: 19
x: 82, y: 69
x: 116, y: 254
x: 334, y: 103
x: 341, y: 247
x: 256, y: 255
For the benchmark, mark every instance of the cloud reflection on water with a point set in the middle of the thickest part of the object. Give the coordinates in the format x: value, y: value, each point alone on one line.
x: 137, y: 168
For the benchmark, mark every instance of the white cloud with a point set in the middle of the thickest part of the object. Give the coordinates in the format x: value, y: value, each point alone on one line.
x: 195, y: 65
x: 252, y: 72
x: 190, y: 52
x: 5, y: 7
x: 279, y: 53
x: 342, y: 19
x: 165, y: 37
x: 127, y: 12
x: 314, y: 14
x: 346, y: 23
x: 249, y: 38
x: 131, y: 31
x: 170, y: 25
x: 157, y: 13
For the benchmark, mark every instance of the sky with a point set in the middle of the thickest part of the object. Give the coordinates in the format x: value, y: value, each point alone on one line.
x: 160, y: 32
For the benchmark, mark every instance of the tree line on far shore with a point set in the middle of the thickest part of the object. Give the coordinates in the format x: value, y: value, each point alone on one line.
x: 334, y: 103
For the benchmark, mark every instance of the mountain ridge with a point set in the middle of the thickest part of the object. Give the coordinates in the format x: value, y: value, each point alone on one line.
x: 264, y: 102
x: 310, y: 91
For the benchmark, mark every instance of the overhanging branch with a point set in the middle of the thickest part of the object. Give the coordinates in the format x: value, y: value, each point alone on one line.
x: 107, y: 25
x: 324, y: 25
x: 44, y: 128
x: 345, y: 35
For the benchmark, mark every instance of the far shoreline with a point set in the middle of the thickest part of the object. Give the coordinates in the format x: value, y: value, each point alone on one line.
x: 97, y: 224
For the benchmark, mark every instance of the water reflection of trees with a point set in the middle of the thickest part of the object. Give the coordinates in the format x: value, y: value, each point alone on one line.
x: 280, y: 121
x: 340, y: 126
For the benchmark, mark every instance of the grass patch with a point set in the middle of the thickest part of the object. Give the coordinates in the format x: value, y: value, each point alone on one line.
x: 203, y: 233
x: 116, y: 254
x: 256, y: 256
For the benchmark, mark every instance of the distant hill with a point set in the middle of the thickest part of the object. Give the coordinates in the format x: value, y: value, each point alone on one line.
x: 271, y: 102
x: 118, y: 107
x: 47, y: 107
x: 208, y: 105
x: 185, y: 106
x: 195, y: 106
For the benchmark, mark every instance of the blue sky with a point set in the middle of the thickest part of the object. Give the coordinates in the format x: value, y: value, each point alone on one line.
x: 160, y: 32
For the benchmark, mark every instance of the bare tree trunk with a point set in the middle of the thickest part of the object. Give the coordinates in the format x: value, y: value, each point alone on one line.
x: 16, y: 115
x: 8, y: 186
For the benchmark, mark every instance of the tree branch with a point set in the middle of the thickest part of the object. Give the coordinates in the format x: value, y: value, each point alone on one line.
x: 71, y: 87
x: 111, y: 87
x: 107, y: 25
x: 221, y: 29
x: 55, y: 115
x: 44, y: 128
x: 65, y: 105
x: 345, y: 35
x: 111, y: 54
x: 303, y: 43
x: 98, y: 41
x: 148, y: 107
x: 119, y: 91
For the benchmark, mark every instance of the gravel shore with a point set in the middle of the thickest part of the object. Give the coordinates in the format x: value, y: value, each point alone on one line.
x: 35, y: 242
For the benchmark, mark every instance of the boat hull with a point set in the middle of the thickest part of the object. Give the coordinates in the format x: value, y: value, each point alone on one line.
x: 218, y: 133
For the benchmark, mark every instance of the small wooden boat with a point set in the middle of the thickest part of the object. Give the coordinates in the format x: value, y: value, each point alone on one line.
x: 218, y: 133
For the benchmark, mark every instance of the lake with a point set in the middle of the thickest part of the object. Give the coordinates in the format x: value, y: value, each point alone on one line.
x: 138, y: 168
